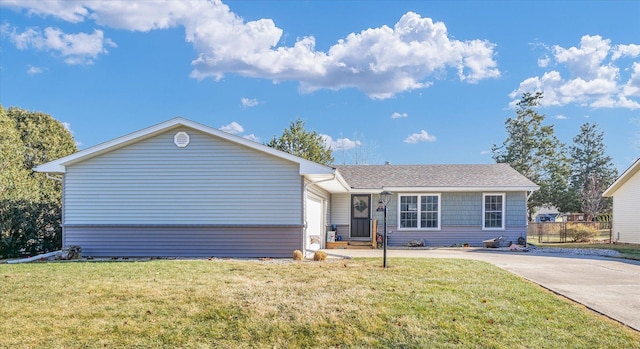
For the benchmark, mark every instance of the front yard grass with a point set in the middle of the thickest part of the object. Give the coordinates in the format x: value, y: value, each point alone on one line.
x: 415, y: 303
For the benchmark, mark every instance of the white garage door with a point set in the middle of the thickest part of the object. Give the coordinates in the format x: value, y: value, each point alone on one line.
x: 314, y: 237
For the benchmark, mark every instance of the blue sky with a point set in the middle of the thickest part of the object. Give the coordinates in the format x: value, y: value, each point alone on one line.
x: 411, y: 82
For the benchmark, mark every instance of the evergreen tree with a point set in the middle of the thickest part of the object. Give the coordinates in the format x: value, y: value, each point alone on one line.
x: 592, y: 171
x: 532, y: 149
x: 299, y: 142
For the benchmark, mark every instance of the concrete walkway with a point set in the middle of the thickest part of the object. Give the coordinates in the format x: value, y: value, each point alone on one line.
x: 606, y: 285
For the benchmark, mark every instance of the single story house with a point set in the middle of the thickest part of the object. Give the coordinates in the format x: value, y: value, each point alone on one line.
x: 625, y: 192
x: 440, y: 204
x: 180, y: 188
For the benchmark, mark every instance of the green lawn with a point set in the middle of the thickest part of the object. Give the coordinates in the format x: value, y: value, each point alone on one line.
x: 416, y: 303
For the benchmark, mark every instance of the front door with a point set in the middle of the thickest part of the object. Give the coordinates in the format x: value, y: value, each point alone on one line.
x: 360, y: 215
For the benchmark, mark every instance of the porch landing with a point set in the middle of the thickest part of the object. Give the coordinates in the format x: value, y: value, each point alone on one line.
x: 353, y: 245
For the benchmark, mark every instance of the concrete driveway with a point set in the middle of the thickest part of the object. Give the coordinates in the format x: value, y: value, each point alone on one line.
x: 606, y: 285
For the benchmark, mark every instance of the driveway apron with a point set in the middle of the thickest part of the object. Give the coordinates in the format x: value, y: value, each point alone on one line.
x: 608, y: 286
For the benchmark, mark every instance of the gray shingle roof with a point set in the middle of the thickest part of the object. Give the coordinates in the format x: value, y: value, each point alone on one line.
x: 439, y: 176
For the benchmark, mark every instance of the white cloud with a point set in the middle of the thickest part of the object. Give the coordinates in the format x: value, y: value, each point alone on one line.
x: 80, y: 48
x: 423, y: 136
x: 625, y: 50
x: 252, y: 137
x: 485, y: 152
x: 233, y: 128
x: 70, y: 11
x: 397, y: 115
x: 32, y: 70
x: 67, y: 126
x: 340, y: 143
x: 632, y: 87
x: 381, y: 62
x: 560, y: 117
x: 247, y: 103
x: 587, y: 76
x: 544, y: 61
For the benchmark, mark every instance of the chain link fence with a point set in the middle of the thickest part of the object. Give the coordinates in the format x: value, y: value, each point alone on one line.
x: 561, y: 232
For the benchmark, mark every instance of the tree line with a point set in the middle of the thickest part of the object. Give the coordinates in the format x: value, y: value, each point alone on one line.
x: 571, y: 178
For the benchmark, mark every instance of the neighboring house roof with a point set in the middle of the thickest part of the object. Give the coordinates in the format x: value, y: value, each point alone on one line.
x: 331, y: 180
x: 630, y: 172
x: 545, y: 211
x: 435, y: 177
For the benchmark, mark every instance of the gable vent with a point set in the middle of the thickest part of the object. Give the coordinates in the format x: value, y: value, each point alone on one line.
x: 181, y: 139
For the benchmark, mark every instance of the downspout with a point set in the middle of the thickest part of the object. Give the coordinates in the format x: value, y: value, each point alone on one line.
x: 54, y: 178
x: 304, y: 212
x: 526, y: 204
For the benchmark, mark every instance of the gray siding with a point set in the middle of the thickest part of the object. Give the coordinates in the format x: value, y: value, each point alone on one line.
x: 465, y: 209
x: 516, y: 209
x: 461, y: 221
x: 340, y: 209
x: 473, y: 235
x: 211, y: 181
x: 185, y: 241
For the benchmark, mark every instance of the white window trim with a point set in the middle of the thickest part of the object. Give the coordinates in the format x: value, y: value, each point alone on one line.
x: 504, y: 210
x: 419, y: 211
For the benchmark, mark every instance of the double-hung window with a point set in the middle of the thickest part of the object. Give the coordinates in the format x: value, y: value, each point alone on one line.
x: 493, y: 211
x: 419, y: 211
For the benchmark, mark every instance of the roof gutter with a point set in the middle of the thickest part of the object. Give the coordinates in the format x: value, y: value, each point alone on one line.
x: 442, y: 189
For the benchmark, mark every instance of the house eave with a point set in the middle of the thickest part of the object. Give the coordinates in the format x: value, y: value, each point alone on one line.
x: 633, y: 169
x: 333, y: 183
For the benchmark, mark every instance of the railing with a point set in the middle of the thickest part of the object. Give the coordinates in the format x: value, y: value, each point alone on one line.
x: 559, y: 232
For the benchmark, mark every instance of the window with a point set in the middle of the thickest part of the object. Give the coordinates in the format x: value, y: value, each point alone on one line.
x: 493, y: 211
x: 419, y: 211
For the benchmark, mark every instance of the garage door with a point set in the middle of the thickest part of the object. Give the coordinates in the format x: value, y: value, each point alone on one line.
x: 315, y: 224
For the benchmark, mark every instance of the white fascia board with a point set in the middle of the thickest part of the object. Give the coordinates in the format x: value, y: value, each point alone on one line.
x: 633, y: 169
x: 58, y: 166
x: 51, y: 167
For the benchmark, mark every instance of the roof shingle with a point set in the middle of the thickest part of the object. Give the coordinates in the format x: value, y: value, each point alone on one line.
x: 479, y: 175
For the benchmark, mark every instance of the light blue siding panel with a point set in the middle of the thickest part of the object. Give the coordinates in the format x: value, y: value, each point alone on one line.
x: 461, y: 209
x: 454, y: 235
x: 462, y: 221
x: 185, y: 241
x: 211, y: 181
x: 516, y: 214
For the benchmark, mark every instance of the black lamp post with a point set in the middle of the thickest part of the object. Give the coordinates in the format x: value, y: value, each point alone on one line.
x: 385, y: 197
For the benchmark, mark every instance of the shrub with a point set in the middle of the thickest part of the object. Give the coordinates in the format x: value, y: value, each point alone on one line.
x: 581, y: 233
x: 320, y: 256
x: 29, y: 228
x: 297, y: 255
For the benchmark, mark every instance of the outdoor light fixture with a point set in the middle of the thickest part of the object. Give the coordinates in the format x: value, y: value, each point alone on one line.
x: 385, y: 198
